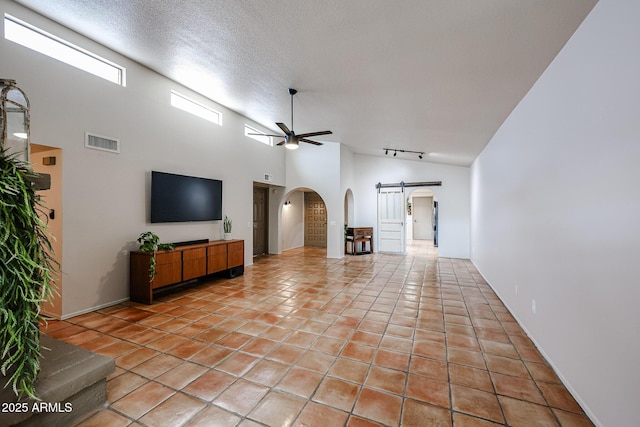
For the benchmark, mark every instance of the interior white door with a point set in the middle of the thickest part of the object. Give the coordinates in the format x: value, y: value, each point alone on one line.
x: 391, y: 214
x: 422, y: 218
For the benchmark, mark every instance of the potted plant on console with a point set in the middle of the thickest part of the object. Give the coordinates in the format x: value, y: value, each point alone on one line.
x: 149, y: 242
x: 226, y: 225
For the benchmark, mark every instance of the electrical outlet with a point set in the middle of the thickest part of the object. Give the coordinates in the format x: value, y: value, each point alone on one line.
x: 533, y: 306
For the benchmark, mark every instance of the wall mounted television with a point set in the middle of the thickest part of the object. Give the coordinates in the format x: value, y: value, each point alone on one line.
x: 180, y: 198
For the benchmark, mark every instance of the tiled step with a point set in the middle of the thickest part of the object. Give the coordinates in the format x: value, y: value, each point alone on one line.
x: 72, y: 382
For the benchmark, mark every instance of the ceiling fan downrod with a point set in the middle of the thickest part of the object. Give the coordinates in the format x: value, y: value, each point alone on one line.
x: 292, y: 92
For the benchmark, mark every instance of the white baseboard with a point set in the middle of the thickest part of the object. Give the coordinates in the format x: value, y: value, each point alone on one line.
x: 88, y: 310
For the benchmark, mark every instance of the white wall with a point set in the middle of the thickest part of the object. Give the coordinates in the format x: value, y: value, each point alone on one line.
x: 105, y: 195
x: 453, y: 196
x: 556, y: 212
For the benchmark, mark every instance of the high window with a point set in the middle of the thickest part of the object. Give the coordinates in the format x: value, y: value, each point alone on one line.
x: 189, y: 105
x: 54, y: 47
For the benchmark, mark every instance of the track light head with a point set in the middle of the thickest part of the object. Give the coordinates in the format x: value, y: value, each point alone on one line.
x: 395, y: 153
x: 420, y: 156
x: 386, y: 152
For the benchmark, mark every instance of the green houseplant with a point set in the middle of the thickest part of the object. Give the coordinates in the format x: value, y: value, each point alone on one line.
x: 226, y: 225
x: 26, y: 273
x: 149, y: 242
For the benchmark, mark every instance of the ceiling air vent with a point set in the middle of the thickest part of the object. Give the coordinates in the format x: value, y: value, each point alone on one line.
x: 99, y: 142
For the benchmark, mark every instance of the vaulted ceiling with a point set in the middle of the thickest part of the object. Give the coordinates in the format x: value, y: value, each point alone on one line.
x: 435, y: 76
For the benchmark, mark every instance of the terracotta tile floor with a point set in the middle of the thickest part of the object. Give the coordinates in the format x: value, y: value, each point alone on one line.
x: 369, y: 340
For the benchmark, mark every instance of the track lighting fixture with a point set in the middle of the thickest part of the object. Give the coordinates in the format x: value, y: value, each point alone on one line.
x: 396, y: 151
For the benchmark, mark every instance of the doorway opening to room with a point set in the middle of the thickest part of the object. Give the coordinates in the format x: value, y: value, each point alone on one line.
x: 260, y: 220
x: 422, y: 219
x: 48, y: 160
x: 304, y: 222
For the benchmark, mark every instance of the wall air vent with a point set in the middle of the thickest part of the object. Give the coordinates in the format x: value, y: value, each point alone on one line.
x: 99, y: 142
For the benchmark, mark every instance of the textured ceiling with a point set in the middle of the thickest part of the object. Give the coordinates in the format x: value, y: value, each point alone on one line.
x: 438, y: 76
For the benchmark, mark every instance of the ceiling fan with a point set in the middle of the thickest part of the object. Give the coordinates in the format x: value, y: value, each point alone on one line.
x: 291, y: 140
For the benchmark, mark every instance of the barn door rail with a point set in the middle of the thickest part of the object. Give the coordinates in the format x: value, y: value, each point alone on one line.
x: 403, y: 184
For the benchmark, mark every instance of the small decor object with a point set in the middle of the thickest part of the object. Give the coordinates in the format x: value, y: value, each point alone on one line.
x: 149, y: 243
x: 14, y: 120
x: 226, y: 225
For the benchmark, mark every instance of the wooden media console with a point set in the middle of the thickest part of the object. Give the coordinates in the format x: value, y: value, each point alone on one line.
x: 182, y: 264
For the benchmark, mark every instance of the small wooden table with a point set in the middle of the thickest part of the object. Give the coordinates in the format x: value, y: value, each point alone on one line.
x: 359, y: 235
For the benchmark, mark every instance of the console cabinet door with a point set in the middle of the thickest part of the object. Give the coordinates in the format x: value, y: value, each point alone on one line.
x: 235, y: 256
x: 194, y: 263
x: 168, y: 269
x: 216, y: 258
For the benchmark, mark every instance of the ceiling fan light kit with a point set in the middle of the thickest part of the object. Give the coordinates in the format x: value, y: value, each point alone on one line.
x: 291, y: 140
x: 291, y: 143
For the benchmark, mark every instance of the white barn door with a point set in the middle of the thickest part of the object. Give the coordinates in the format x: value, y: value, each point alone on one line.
x: 391, y: 217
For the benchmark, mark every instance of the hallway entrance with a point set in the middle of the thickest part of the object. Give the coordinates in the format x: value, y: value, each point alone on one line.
x: 48, y: 160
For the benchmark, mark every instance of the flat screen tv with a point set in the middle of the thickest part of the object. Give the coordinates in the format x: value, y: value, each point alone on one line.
x: 180, y: 198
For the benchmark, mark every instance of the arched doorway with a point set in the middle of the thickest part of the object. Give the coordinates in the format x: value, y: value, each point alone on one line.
x: 349, y: 214
x: 303, y: 220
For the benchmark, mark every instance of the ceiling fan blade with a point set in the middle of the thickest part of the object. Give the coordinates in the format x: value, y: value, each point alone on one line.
x: 266, y: 134
x: 310, y: 141
x: 324, y: 132
x: 284, y: 128
x: 280, y: 143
